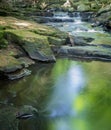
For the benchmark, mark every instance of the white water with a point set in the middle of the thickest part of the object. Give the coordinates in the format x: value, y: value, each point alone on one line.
x: 76, y: 27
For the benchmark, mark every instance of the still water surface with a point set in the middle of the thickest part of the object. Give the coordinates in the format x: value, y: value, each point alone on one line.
x: 70, y: 95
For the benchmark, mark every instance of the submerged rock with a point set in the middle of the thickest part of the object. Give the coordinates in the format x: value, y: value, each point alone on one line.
x: 18, y: 74
x: 10, y: 115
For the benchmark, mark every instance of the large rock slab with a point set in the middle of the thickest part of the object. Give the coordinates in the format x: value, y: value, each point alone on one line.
x: 35, y: 45
x: 86, y: 52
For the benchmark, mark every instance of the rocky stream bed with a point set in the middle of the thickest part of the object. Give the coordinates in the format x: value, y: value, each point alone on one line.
x: 72, y: 35
x: 83, y: 36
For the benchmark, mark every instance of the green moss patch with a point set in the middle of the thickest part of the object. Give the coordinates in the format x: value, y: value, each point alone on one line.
x: 3, y: 41
x: 8, y: 61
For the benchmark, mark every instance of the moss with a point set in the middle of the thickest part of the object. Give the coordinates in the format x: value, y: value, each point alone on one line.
x: 3, y: 41
x: 30, y: 41
x: 19, y: 36
x: 6, y: 60
x: 56, y: 41
x: 2, y: 27
x: 17, y: 24
x: 50, y: 32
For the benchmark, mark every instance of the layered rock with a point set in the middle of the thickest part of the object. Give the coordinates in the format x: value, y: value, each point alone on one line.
x: 27, y: 43
x: 86, y: 52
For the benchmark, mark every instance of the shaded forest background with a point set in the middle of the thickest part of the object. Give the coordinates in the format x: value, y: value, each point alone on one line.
x: 45, y: 4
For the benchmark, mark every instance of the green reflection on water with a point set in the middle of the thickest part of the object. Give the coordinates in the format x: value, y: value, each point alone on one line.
x: 75, y: 96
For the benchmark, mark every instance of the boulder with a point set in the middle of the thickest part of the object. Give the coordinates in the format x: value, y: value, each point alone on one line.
x: 17, y: 74
x: 35, y: 45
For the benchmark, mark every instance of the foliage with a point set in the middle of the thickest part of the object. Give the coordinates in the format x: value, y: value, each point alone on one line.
x: 45, y: 4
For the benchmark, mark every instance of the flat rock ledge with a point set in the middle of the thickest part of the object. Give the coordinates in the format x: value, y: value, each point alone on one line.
x: 99, y: 52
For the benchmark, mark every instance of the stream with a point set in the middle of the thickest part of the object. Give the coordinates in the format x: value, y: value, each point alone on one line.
x: 66, y: 95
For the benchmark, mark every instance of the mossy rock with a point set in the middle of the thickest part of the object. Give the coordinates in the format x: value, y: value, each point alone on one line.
x: 14, y: 23
x: 48, y: 31
x: 56, y: 41
x: 3, y: 41
x: 9, y: 63
x: 35, y: 45
x: 83, y: 7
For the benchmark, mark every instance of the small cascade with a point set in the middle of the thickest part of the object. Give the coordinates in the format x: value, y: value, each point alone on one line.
x: 77, y: 18
x: 74, y: 24
x: 62, y: 17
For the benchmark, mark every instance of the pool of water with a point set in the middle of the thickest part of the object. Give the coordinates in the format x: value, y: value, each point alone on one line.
x: 70, y: 95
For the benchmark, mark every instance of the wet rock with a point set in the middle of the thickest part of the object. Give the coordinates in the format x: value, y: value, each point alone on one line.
x: 73, y: 14
x: 86, y: 52
x: 10, y: 69
x: 39, y: 52
x: 61, y: 20
x: 108, y: 26
x: 82, y: 41
x: 13, y: 72
x: 9, y: 64
x: 26, y: 61
x: 36, y: 46
x: 18, y: 74
x: 51, y: 19
x: 85, y: 16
